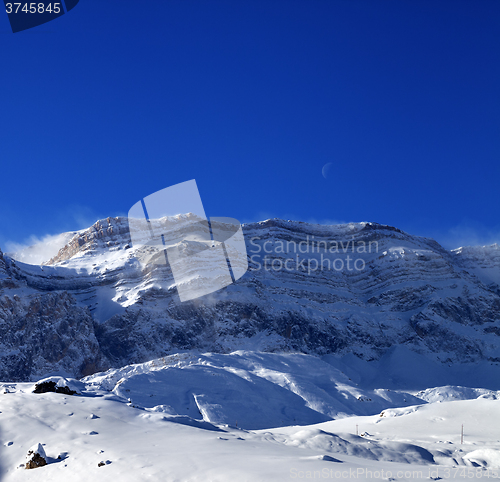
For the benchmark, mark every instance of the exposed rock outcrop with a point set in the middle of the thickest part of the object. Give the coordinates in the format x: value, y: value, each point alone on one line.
x: 105, y: 233
x: 36, y: 457
x: 46, y: 333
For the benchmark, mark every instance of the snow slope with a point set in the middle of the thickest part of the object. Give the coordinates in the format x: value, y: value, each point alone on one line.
x: 174, y: 426
x: 296, y: 389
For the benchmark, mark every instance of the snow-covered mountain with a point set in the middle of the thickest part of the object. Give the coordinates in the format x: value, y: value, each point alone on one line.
x: 93, y: 306
x: 345, y: 351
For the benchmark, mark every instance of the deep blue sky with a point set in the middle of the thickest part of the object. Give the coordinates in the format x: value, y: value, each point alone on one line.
x: 120, y: 98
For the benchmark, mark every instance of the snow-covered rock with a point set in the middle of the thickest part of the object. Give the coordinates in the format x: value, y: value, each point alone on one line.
x: 36, y: 457
x: 58, y: 385
x: 489, y: 458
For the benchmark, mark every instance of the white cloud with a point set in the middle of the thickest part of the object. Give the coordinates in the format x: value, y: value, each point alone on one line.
x: 38, y: 250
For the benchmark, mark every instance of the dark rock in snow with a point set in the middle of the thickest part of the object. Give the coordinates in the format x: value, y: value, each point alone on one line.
x: 51, y: 386
x: 36, y: 457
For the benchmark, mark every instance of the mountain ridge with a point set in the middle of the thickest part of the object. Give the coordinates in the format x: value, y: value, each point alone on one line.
x: 442, y: 304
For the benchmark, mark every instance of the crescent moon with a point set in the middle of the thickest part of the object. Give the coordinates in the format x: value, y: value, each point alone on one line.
x: 325, y: 169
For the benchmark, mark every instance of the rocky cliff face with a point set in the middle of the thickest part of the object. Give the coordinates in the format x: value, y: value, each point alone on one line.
x: 47, y: 333
x: 105, y: 233
x: 357, y: 288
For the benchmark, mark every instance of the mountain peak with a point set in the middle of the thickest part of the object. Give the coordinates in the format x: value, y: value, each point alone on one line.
x: 109, y: 232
